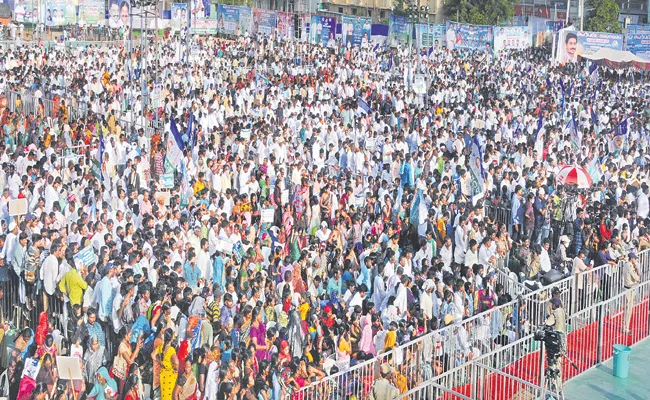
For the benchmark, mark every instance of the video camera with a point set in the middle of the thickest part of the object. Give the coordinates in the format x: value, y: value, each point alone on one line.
x: 552, y: 340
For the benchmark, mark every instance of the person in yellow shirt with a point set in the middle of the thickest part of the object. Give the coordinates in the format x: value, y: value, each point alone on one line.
x: 199, y: 185
x: 73, y: 285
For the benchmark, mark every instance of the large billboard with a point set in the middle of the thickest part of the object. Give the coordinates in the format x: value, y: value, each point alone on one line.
x: 638, y: 44
x: 398, y: 30
x: 179, y: 15
x: 264, y: 21
x: 355, y: 30
x: 285, y: 29
x: 571, y: 44
x: 466, y: 36
x: 204, y: 18
x: 26, y: 11
x: 512, y: 37
x: 322, y: 29
x: 228, y: 19
x: 430, y: 35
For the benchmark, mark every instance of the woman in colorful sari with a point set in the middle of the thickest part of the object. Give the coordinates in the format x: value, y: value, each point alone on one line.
x: 166, y: 354
x: 186, y: 384
x: 105, y: 387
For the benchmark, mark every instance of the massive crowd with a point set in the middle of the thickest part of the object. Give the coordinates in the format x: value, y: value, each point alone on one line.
x: 296, y: 210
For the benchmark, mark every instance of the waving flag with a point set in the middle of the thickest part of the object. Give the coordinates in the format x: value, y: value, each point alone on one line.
x: 364, y: 106
x: 390, y: 62
x: 548, y: 82
x: 574, y: 133
x: 516, y: 133
x: 430, y: 51
x: 376, y: 48
x: 592, y: 68
x: 594, y: 117
x: 539, y: 141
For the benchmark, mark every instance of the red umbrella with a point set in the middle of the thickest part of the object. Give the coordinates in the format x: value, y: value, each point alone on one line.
x: 573, y: 175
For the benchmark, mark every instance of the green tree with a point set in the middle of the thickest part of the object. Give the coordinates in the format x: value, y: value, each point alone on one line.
x: 603, y: 16
x: 480, y: 12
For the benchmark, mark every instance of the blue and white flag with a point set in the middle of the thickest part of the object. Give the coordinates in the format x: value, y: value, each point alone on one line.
x: 539, y: 141
x: 592, y: 68
x: 376, y: 48
x: 364, y: 106
x: 390, y: 62
x: 174, y: 148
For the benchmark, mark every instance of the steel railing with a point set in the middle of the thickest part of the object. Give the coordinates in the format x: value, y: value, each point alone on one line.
x: 531, y: 310
x: 517, y: 370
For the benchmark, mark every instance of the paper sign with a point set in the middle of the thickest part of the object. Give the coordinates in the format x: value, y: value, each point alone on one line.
x: 69, y: 368
x: 245, y: 134
x: 284, y: 196
x: 224, y: 246
x: 267, y: 215
x: 167, y: 181
x: 32, y: 366
x: 86, y: 256
x: 17, y: 207
x: 166, y: 196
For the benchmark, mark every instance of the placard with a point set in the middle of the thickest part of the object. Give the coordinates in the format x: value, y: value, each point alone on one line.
x: 267, y: 215
x: 167, y: 181
x: 17, y: 207
x: 87, y: 256
x: 284, y: 196
x: 224, y: 246
x: 69, y: 368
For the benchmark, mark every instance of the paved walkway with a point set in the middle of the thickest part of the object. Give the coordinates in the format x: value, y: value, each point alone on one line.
x: 600, y: 382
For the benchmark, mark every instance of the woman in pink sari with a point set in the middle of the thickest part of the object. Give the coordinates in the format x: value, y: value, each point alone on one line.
x: 366, y: 343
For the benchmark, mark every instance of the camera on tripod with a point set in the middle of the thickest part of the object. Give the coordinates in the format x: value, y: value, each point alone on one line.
x: 552, y: 340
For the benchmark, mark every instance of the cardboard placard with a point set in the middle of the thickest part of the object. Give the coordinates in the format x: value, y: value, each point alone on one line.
x: 267, y: 215
x: 167, y: 181
x: 17, y: 207
x: 87, y: 256
x: 284, y: 196
x: 69, y: 368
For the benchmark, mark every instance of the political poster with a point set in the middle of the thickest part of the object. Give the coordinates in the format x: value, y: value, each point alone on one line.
x: 572, y: 44
x: 92, y: 12
x: 512, y: 38
x: 285, y: 29
x: 638, y: 44
x: 245, y: 20
x: 57, y: 14
x: 118, y: 14
x: 228, y: 19
x: 264, y: 21
x: 204, y: 17
x: 26, y: 11
x: 554, y: 26
x: 638, y: 28
x: 86, y: 256
x: 179, y: 15
x: 430, y: 35
x: 322, y: 29
x: 398, y: 30
x: 466, y: 36
x: 590, y: 42
x: 355, y: 31
x: 476, y: 168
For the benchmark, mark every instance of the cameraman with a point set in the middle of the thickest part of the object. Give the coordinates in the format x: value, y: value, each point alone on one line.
x: 556, y: 319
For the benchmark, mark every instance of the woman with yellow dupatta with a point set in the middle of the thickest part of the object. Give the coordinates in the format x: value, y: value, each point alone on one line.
x: 168, y: 366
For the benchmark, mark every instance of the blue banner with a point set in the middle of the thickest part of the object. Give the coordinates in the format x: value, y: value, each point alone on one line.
x: 590, y: 42
x: 264, y: 21
x: 355, y: 30
x: 638, y: 44
x: 398, y: 30
x: 228, y: 19
x: 466, y: 36
x: 431, y: 35
x: 554, y: 26
x: 322, y: 29
x: 638, y: 28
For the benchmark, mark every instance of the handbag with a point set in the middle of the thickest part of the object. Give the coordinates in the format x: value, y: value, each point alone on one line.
x: 119, y: 367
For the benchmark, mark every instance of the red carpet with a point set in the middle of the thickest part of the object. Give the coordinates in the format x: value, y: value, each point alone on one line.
x: 582, y: 347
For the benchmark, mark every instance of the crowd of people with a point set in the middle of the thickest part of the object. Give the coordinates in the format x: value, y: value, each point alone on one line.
x: 290, y: 219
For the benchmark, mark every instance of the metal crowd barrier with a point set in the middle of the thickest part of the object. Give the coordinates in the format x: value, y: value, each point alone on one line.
x: 450, y: 343
x: 517, y: 370
x: 499, y: 214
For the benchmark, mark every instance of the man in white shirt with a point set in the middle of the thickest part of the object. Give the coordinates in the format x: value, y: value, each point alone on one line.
x: 50, y: 270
